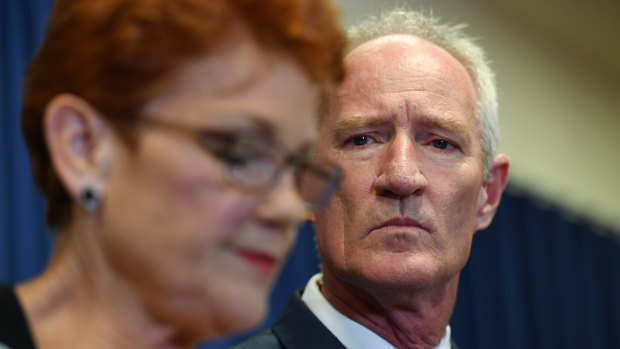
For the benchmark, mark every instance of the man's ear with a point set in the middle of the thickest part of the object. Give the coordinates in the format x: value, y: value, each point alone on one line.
x: 491, y: 192
x: 78, y: 142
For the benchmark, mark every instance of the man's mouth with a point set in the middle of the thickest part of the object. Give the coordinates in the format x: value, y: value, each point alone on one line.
x: 402, y: 222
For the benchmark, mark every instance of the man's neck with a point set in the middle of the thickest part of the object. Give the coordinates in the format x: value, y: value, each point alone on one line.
x: 405, y: 318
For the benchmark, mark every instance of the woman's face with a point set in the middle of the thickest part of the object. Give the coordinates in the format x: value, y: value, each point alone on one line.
x: 198, y: 252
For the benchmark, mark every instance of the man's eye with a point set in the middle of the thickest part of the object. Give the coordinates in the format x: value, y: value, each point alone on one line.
x: 360, y: 140
x: 440, y: 143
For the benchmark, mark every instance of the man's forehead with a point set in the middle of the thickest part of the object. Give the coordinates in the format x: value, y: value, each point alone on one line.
x: 388, y: 40
x: 392, y: 46
x: 403, y: 63
x: 396, y: 52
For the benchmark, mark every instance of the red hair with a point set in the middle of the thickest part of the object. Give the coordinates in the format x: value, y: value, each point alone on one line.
x: 116, y: 54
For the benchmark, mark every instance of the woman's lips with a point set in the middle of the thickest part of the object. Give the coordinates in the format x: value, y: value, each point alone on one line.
x: 263, y: 262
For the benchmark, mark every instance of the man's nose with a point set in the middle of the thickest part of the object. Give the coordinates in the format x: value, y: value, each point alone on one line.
x: 399, y: 169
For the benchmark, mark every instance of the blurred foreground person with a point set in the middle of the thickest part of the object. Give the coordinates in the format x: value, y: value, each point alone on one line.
x: 170, y: 139
x: 415, y: 133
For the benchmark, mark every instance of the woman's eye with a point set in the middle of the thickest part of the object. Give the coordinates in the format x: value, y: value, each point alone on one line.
x: 247, y: 154
x: 236, y: 159
x: 226, y: 151
x: 441, y: 143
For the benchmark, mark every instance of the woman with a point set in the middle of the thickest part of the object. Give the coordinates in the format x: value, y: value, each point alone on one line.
x: 170, y: 139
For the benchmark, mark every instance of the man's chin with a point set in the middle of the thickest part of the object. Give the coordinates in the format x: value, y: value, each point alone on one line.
x: 400, y: 274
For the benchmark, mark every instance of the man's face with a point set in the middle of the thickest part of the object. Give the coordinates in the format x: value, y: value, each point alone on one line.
x: 409, y: 144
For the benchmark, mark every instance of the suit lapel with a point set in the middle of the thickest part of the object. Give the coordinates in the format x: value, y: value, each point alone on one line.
x: 298, y: 328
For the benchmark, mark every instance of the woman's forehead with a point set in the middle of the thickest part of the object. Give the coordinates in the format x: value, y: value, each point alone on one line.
x: 242, y: 85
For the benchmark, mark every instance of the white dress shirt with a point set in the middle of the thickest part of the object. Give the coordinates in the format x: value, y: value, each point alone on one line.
x: 350, y: 333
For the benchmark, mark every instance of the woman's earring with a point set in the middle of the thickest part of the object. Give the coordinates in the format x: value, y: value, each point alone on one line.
x: 89, y: 199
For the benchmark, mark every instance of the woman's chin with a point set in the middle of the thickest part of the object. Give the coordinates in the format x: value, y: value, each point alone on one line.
x: 250, y: 319
x: 244, y: 316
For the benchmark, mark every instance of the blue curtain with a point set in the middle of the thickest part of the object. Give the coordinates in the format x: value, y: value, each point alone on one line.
x: 535, y: 279
x: 24, y: 245
x: 539, y: 278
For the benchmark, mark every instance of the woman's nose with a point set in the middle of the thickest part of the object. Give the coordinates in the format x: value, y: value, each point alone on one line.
x: 283, y: 205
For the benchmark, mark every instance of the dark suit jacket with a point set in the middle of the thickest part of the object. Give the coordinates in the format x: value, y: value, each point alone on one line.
x: 296, y: 328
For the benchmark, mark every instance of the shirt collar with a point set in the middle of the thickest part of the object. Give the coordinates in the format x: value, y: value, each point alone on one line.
x: 350, y: 333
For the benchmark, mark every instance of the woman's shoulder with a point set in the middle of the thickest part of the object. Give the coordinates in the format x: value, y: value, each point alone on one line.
x: 14, y: 331
x: 8, y: 299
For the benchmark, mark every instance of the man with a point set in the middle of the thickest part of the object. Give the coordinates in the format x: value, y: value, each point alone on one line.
x: 415, y: 134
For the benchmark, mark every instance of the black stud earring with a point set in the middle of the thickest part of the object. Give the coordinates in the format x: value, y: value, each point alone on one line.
x: 89, y: 199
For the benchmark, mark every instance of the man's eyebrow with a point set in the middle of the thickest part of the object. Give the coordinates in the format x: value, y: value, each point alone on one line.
x: 456, y: 127
x: 453, y: 126
x: 357, y: 122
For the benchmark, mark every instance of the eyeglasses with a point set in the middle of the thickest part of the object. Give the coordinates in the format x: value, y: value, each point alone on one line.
x: 253, y: 164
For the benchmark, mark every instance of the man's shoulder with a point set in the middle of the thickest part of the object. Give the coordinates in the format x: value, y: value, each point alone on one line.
x: 295, y: 328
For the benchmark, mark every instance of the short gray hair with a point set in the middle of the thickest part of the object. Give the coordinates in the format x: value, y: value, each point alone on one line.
x: 452, y: 39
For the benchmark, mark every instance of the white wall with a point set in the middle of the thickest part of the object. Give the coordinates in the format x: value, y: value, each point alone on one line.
x: 559, y: 119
